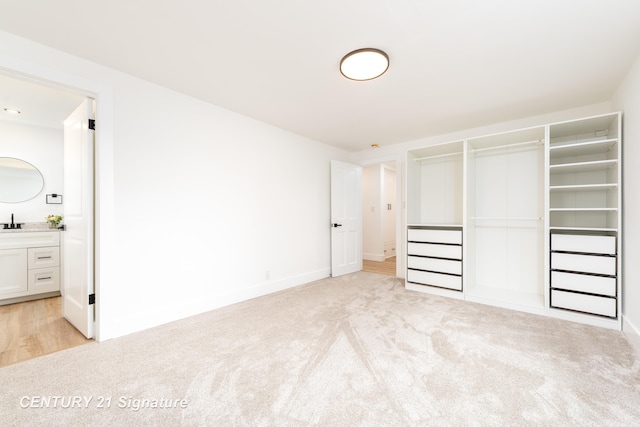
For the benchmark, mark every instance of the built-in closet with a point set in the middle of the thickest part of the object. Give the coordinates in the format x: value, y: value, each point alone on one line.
x: 527, y: 219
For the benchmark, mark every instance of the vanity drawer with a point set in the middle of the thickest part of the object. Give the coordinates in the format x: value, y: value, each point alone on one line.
x: 435, y: 279
x: 584, y: 263
x: 435, y: 250
x: 44, y: 257
x: 584, y: 283
x: 44, y: 279
x: 603, y: 306
x: 429, y: 235
x: 583, y: 243
x: 435, y: 264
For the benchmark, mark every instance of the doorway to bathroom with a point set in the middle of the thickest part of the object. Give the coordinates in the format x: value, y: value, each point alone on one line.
x: 36, y: 133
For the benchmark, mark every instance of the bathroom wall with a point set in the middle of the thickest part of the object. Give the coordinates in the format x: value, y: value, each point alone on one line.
x: 43, y: 148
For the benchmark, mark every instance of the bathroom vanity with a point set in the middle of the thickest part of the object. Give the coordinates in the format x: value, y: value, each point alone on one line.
x: 29, y: 264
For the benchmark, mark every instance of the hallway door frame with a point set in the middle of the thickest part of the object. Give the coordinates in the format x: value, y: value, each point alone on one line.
x: 400, y: 249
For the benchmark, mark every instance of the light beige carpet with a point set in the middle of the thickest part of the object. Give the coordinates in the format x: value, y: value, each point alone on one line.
x: 357, y: 350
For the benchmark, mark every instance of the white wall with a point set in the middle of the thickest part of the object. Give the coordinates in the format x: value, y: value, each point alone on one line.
x: 43, y: 148
x: 198, y: 207
x: 627, y: 100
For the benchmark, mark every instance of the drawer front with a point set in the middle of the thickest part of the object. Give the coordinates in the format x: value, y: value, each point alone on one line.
x: 435, y: 236
x: 583, y: 283
x: 589, y: 244
x: 586, y: 303
x: 435, y: 250
x: 435, y: 279
x: 44, y: 257
x: 25, y: 239
x: 584, y: 263
x: 434, y: 264
x: 44, y: 280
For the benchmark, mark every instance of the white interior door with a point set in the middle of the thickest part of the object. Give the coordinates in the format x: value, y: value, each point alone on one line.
x: 77, y: 239
x: 346, y: 218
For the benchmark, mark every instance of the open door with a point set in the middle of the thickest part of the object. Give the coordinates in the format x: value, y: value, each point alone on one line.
x: 346, y: 218
x: 77, y: 239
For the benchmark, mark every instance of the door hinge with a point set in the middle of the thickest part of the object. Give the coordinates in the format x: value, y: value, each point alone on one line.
x: 92, y: 124
x: 92, y: 299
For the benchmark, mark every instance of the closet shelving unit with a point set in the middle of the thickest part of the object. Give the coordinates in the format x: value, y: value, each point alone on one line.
x: 504, y: 221
x: 434, y: 219
x: 585, y: 178
x: 528, y: 220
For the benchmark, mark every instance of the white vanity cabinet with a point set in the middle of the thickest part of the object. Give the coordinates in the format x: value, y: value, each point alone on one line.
x: 29, y: 265
x: 13, y: 271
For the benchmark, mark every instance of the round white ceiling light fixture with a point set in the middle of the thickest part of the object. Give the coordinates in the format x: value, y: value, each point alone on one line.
x: 364, y: 64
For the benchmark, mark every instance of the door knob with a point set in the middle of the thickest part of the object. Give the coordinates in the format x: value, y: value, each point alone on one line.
x: 336, y: 225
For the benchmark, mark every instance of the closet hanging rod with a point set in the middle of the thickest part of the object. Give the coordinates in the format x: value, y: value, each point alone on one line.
x: 507, y: 218
x: 438, y: 156
x: 535, y: 141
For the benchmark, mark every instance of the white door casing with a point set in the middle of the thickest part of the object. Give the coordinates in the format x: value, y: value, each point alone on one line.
x: 78, y: 207
x: 346, y: 218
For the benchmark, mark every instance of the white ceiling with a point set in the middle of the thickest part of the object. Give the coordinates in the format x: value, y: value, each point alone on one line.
x: 455, y: 64
x: 38, y: 104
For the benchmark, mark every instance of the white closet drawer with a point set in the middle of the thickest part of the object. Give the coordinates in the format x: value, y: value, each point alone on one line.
x: 434, y: 264
x: 589, y: 244
x: 584, y: 263
x: 585, y: 303
x: 435, y: 236
x: 44, y: 257
x: 583, y: 283
x: 435, y: 279
x: 44, y: 280
x: 435, y: 250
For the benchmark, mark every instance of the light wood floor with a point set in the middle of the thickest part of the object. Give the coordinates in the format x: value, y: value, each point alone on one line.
x: 35, y: 328
x: 387, y: 267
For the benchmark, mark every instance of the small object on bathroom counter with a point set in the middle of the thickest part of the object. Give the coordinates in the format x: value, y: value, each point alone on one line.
x: 54, y: 220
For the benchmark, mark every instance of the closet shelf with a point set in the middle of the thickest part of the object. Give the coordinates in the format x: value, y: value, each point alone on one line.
x: 583, y: 187
x: 498, y: 147
x: 583, y: 209
x: 438, y: 156
x: 582, y: 148
x: 583, y: 228
x: 433, y: 224
x: 582, y: 166
x: 506, y: 218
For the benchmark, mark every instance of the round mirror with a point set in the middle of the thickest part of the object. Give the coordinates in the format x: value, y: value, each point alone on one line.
x: 19, y: 181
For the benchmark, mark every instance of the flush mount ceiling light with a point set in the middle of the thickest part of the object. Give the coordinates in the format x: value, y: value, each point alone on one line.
x: 364, y: 64
x: 11, y: 111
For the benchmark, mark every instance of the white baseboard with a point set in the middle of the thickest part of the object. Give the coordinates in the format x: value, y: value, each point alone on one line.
x: 631, y: 332
x: 373, y: 257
